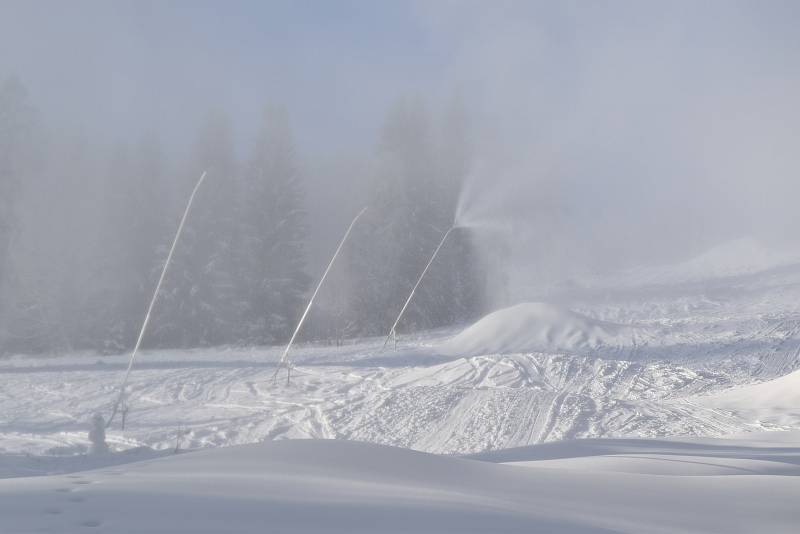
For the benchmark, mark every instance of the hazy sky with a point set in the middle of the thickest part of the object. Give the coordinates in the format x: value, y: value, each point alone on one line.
x: 110, y: 65
x: 618, y: 131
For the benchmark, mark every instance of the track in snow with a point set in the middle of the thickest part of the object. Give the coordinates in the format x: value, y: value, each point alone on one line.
x: 687, y: 342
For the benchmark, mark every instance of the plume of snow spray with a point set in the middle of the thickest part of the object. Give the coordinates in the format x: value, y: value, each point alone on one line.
x: 284, y: 357
x: 393, y: 332
x: 489, y: 208
x: 153, y: 300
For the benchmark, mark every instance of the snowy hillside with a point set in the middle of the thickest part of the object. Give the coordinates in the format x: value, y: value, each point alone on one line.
x: 731, y: 259
x: 626, y: 363
x: 711, y: 361
x: 734, y: 258
x: 680, y: 486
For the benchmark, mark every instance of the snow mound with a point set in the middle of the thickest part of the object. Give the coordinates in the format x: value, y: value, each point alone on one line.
x: 775, y: 402
x: 536, y: 327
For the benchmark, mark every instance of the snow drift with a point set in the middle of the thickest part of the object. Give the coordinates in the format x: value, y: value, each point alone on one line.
x: 536, y: 327
x: 311, y: 486
x: 775, y: 402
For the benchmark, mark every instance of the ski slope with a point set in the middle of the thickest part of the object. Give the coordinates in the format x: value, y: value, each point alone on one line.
x: 593, y: 362
x: 652, y: 361
x: 638, y: 409
x: 774, y: 401
x: 626, y: 486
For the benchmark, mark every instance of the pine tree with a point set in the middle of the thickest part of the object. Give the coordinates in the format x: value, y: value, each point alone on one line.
x: 17, y: 162
x: 418, y: 178
x: 74, y: 241
x: 151, y: 231
x: 393, y: 245
x: 110, y: 274
x: 462, y: 277
x: 199, y: 305
x: 130, y: 245
x: 53, y: 252
x: 273, y: 278
x: 12, y: 122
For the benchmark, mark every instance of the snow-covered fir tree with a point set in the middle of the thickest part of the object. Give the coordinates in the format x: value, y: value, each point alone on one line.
x: 200, y: 305
x: 414, y: 199
x: 19, y: 157
x: 131, y: 244
x: 273, y: 281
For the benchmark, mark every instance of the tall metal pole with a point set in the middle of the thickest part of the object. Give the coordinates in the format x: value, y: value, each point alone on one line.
x: 393, y: 332
x: 153, y: 300
x: 283, y: 361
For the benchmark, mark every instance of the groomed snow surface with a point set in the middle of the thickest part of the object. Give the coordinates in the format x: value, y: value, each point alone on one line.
x: 668, y: 403
x: 343, y: 486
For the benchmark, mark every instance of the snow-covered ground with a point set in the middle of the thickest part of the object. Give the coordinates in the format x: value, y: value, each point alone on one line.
x: 693, y: 351
x: 311, y: 486
x: 646, y: 361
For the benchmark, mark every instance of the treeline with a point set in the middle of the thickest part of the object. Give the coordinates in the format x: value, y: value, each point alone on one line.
x: 84, y: 231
